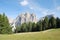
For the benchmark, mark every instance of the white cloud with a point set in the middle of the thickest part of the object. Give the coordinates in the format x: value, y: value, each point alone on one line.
x: 42, y: 10
x: 38, y: 8
x: 45, y: 11
x: 24, y: 3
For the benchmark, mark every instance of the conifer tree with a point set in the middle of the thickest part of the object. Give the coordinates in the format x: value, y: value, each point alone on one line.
x: 4, y: 24
x: 58, y: 22
x: 53, y: 22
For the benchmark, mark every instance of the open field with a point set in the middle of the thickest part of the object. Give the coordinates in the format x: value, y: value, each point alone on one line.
x: 52, y: 34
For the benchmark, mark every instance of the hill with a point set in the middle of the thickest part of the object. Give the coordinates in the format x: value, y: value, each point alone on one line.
x: 52, y: 34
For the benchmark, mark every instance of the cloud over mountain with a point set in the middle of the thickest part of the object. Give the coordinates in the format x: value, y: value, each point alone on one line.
x: 24, y: 3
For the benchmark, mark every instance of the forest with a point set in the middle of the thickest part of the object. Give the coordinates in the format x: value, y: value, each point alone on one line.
x: 41, y: 25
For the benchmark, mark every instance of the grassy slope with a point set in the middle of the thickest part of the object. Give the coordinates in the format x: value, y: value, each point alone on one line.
x: 53, y: 34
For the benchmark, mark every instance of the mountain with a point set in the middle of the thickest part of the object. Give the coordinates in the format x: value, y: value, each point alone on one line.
x: 49, y: 16
x: 10, y: 20
x: 26, y: 17
x: 23, y: 18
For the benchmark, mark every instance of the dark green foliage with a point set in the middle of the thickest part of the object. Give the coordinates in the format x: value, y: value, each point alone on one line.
x: 52, y: 22
x: 58, y: 22
x: 45, y: 23
x: 24, y: 27
x: 4, y: 25
x: 18, y: 29
x: 29, y: 26
x: 41, y: 25
x: 34, y: 27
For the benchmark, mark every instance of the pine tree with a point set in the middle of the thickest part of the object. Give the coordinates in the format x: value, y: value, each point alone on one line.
x: 4, y: 24
x: 41, y: 26
x: 29, y: 27
x: 58, y: 22
x: 45, y: 23
x: 34, y: 27
x: 53, y: 22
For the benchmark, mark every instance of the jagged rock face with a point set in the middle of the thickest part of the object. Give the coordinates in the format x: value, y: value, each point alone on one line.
x: 24, y: 18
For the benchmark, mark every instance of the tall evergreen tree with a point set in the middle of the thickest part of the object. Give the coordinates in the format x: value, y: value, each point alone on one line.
x: 52, y: 22
x: 58, y: 22
x: 29, y: 26
x: 4, y: 25
x: 39, y: 25
x: 34, y: 27
x: 45, y: 23
x: 24, y: 27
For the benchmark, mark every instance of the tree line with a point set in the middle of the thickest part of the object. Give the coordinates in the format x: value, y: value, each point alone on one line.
x: 5, y: 27
x: 41, y: 25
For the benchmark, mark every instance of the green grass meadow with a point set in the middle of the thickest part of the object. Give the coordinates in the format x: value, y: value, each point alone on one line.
x: 52, y: 34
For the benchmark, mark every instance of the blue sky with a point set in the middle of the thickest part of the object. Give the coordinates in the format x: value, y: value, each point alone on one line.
x: 12, y: 8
